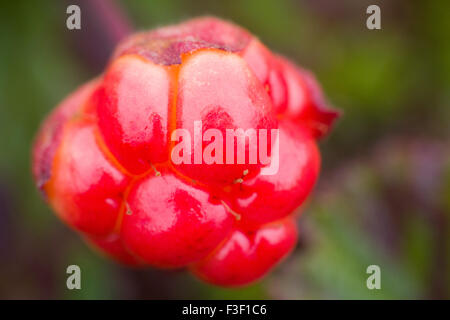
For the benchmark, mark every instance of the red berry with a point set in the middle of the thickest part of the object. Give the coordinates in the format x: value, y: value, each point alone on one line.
x: 170, y: 223
x: 247, y: 255
x: 137, y: 135
x: 215, y: 87
x: 105, y: 159
x: 85, y: 189
x: 113, y: 247
x: 266, y: 198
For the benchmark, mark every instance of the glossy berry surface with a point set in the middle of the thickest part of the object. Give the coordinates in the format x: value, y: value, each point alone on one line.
x: 103, y: 159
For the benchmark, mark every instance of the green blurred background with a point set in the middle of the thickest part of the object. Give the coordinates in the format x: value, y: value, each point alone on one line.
x: 384, y: 193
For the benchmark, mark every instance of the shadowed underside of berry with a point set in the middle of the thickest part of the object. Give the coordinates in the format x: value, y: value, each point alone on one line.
x: 107, y: 158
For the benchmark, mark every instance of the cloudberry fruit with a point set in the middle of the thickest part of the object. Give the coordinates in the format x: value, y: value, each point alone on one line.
x: 103, y: 159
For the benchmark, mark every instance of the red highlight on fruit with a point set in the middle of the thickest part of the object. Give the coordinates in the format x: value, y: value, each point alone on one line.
x: 102, y: 159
